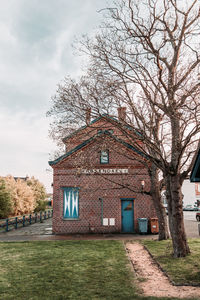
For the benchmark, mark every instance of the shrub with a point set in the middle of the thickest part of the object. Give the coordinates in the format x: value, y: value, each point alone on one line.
x: 39, y: 193
x: 5, y: 201
x: 41, y: 206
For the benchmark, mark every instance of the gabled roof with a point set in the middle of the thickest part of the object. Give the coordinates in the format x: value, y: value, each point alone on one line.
x: 103, y: 116
x: 93, y: 138
x: 91, y: 123
x: 195, y: 174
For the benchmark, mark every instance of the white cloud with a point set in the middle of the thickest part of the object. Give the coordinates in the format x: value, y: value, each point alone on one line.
x: 35, y: 55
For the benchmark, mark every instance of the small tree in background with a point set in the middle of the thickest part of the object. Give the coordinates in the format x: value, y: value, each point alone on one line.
x: 18, y: 196
x: 5, y: 201
x: 22, y: 196
x: 39, y: 193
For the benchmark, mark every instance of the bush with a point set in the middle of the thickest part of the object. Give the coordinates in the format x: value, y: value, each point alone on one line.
x: 5, y: 201
x: 37, y: 188
x: 41, y: 206
x: 39, y: 193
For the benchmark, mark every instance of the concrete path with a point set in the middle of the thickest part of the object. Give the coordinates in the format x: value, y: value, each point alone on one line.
x: 43, y: 231
x: 35, y: 231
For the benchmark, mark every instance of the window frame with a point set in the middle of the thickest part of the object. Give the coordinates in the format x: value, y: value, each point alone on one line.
x: 69, y: 190
x: 107, y: 153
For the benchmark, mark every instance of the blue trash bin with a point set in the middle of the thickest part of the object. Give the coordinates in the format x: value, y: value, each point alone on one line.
x: 143, y: 225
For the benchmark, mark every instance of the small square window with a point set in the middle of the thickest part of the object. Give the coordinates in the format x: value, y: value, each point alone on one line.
x: 104, y: 158
x: 110, y: 131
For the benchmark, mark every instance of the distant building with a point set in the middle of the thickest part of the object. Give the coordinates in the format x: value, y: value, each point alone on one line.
x: 197, y: 193
x: 189, y: 193
x: 21, y: 178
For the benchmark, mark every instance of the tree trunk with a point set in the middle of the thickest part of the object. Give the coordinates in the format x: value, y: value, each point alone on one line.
x: 175, y: 213
x: 158, y: 205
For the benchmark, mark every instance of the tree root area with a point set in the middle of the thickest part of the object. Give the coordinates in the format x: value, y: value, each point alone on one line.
x: 151, y: 280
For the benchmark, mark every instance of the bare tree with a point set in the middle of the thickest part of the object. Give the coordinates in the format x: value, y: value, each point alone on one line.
x: 152, y: 46
x: 146, y: 56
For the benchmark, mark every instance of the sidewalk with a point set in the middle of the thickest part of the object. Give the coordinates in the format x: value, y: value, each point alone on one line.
x: 35, y: 231
x: 43, y: 232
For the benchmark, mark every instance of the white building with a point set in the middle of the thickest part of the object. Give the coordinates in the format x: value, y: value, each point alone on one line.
x: 191, y: 194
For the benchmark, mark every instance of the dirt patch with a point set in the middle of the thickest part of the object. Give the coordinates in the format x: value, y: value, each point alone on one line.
x: 151, y: 280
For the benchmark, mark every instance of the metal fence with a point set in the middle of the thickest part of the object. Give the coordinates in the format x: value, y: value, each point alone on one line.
x: 25, y: 220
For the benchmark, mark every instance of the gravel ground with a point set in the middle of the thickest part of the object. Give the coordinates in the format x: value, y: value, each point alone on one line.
x: 154, y: 282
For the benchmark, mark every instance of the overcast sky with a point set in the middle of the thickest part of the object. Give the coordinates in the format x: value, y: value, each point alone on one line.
x: 35, y: 55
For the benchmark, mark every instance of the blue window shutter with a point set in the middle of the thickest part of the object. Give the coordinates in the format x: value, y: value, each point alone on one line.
x: 71, y: 203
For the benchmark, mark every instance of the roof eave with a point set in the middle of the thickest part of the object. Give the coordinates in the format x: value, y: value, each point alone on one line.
x: 85, y: 143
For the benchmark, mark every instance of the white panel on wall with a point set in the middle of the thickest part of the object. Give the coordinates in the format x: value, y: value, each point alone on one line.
x: 112, y: 222
x: 105, y: 221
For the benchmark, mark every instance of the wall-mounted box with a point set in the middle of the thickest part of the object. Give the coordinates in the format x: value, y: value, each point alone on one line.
x: 112, y: 221
x: 105, y: 221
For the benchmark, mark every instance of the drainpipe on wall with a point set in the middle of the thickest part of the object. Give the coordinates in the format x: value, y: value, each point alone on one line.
x: 101, y: 210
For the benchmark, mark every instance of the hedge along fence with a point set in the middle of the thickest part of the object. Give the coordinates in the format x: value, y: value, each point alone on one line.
x: 22, y: 221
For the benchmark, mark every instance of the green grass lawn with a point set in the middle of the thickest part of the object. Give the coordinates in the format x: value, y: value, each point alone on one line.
x: 66, y: 270
x: 182, y: 270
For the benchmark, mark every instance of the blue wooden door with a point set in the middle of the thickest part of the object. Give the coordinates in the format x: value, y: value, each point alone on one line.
x: 127, y: 215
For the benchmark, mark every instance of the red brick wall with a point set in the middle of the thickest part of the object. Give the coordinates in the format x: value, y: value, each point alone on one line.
x: 89, y: 131
x: 111, y: 188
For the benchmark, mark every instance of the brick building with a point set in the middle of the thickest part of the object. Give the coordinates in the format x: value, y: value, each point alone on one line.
x: 98, y: 183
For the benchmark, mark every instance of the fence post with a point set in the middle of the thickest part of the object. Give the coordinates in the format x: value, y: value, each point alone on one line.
x: 48, y: 214
x: 35, y: 217
x: 52, y: 213
x: 6, y: 224
x: 16, y: 222
x: 40, y: 216
x: 45, y: 215
x: 23, y: 221
x: 30, y: 219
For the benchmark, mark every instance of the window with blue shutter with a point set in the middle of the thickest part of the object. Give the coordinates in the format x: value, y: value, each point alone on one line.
x: 71, y: 203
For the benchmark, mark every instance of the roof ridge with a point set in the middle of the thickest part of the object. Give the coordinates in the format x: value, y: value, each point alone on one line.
x: 86, y: 142
x: 85, y: 126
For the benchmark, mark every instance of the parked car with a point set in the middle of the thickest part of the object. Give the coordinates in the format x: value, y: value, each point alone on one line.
x: 198, y: 216
x: 189, y: 208
x: 196, y: 208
